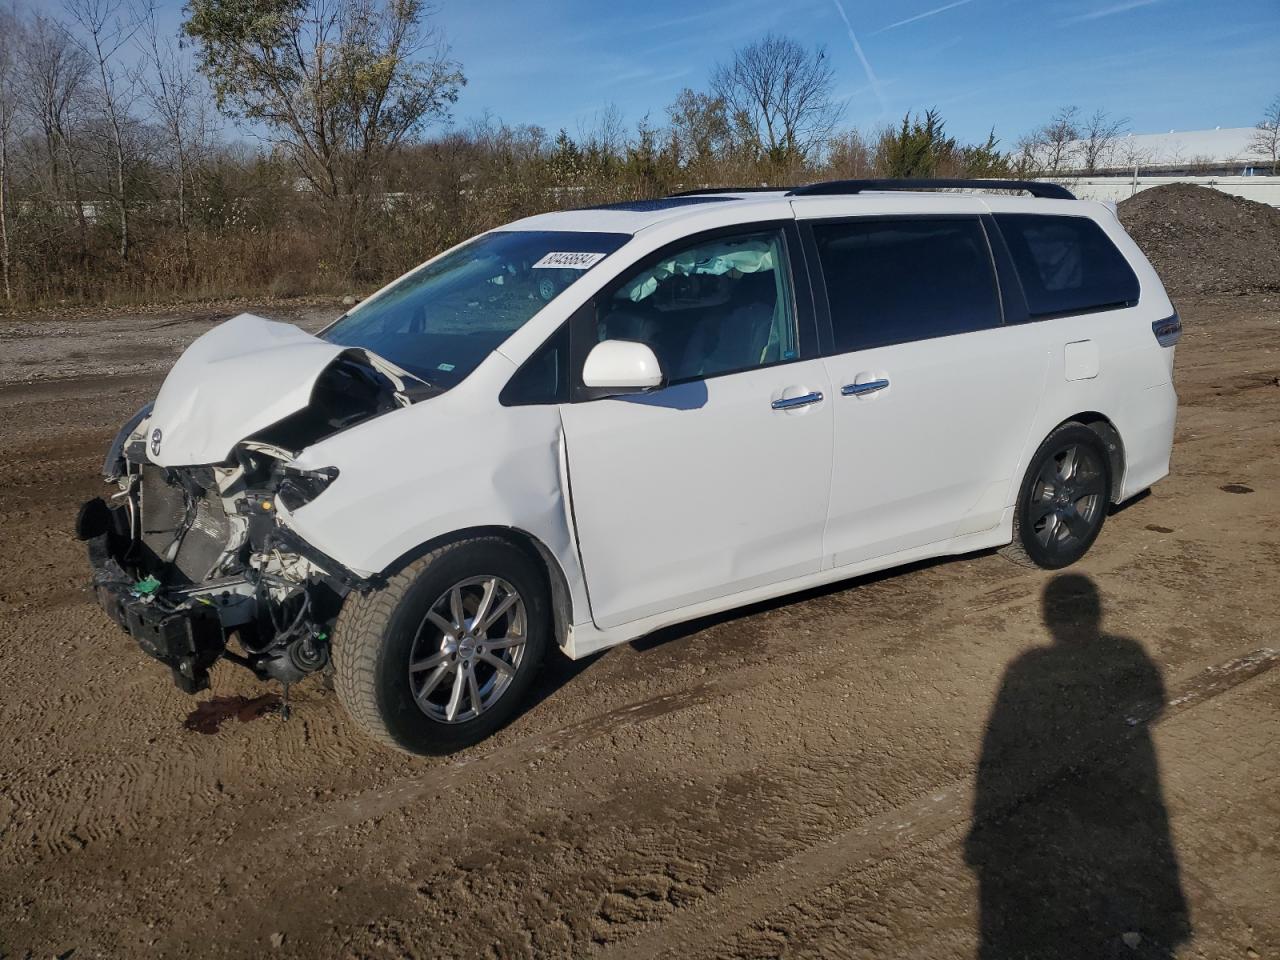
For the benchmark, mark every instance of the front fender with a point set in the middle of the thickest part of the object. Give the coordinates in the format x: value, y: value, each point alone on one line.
x: 453, y: 463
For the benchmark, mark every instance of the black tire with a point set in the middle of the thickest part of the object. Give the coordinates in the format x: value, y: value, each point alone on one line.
x: 376, y: 633
x: 1042, y: 537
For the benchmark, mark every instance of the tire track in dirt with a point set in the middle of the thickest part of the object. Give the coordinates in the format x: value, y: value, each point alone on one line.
x: 379, y: 803
x: 884, y: 594
x: 79, y: 388
x: 699, y: 927
x: 140, y: 765
x: 371, y: 805
x: 67, y: 799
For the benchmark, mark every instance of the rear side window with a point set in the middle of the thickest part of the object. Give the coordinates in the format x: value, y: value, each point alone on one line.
x: 894, y: 281
x: 1067, y: 264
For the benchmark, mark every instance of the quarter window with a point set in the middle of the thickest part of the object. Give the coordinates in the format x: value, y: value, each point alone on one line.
x: 894, y: 281
x: 544, y: 377
x: 1067, y: 264
x: 719, y: 306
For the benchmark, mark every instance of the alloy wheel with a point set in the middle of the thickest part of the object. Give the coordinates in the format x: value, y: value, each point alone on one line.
x: 1067, y: 499
x: 467, y: 649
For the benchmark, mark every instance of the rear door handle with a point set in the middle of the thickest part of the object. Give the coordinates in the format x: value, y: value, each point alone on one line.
x: 790, y: 403
x: 860, y: 389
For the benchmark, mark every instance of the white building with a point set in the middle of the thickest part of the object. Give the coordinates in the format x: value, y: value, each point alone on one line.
x: 1223, y: 158
x: 1223, y: 151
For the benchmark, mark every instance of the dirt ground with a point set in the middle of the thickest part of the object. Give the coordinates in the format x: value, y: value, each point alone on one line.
x: 953, y: 760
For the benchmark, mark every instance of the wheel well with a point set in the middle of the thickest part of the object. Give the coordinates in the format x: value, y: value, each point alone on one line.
x: 1111, y: 440
x: 557, y: 583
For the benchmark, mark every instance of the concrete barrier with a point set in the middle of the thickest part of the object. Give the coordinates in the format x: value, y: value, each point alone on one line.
x: 1262, y: 189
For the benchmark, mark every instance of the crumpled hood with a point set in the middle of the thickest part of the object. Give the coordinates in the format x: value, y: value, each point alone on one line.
x: 237, y: 379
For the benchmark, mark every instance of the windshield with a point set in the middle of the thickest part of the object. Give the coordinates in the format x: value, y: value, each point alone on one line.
x: 440, y: 321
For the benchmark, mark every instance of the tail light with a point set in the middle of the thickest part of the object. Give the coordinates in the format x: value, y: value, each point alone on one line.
x: 1168, y: 331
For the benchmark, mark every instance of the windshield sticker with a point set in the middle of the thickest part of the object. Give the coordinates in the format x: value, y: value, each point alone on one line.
x: 562, y: 260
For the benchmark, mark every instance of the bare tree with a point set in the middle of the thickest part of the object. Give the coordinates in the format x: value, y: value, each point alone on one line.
x: 176, y: 94
x: 1131, y: 156
x: 605, y: 133
x: 1098, y: 137
x: 52, y: 73
x: 1201, y: 165
x: 783, y: 93
x: 1050, y: 148
x: 1266, y: 137
x: 700, y: 124
x: 8, y: 114
x: 107, y: 29
x: 337, y: 85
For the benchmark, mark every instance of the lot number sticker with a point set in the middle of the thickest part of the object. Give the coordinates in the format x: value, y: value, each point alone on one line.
x: 564, y: 260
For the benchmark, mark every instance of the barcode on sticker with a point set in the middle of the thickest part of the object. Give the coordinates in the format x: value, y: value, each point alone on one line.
x: 567, y: 260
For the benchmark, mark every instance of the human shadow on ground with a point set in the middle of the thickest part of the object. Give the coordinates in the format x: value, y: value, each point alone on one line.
x: 1070, y: 837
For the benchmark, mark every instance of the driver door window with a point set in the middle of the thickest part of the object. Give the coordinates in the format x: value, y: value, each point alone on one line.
x: 720, y: 306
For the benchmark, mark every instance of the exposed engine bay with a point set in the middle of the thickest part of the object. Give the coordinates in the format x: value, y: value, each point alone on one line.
x: 198, y: 563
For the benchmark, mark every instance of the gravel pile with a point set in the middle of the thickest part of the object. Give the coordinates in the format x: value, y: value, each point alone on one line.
x: 1201, y: 240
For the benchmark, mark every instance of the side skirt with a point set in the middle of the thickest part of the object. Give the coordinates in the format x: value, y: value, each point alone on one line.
x: 586, y: 638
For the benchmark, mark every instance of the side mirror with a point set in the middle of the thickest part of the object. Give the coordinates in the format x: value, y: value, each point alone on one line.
x: 616, y: 367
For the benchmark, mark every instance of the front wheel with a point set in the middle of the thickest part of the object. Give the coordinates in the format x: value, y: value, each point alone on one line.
x: 442, y: 656
x: 1063, y: 499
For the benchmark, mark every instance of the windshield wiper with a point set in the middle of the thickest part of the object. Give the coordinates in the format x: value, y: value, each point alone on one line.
x: 409, y: 387
x: 422, y: 390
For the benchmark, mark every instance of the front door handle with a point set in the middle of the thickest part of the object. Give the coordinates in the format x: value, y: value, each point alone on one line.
x: 861, y: 389
x: 790, y: 403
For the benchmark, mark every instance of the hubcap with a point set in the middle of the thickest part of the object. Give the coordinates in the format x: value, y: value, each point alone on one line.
x: 1068, y: 498
x: 467, y: 649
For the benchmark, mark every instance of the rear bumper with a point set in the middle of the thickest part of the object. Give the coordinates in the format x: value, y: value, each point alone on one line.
x: 1148, y: 438
x: 187, y: 641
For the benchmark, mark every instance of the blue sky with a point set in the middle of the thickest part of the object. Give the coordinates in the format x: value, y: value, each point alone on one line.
x: 1165, y: 64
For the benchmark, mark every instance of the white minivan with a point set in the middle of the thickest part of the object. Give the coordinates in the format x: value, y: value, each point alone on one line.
x: 586, y: 425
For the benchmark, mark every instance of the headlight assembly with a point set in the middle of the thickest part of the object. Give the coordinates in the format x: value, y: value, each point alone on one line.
x: 300, y: 487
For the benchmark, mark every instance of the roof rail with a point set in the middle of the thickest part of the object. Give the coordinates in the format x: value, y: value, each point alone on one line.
x: 706, y: 190
x: 833, y: 187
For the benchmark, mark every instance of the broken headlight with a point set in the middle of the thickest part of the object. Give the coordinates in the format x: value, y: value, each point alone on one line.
x: 299, y: 487
x: 114, y: 466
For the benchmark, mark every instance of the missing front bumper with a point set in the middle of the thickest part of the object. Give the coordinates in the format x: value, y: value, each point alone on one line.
x: 187, y: 641
x: 186, y: 627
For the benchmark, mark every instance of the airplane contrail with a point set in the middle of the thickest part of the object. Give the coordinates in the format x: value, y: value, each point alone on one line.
x: 922, y: 16
x: 866, y: 64
x: 1109, y: 11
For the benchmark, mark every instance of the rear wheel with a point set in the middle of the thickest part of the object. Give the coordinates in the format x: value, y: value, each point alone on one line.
x: 1063, y: 499
x: 442, y: 656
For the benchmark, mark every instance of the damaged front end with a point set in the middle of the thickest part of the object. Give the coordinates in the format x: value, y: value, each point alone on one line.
x: 186, y: 557
x: 198, y: 563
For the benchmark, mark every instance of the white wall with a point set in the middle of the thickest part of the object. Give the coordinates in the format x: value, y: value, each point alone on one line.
x: 1115, y: 189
